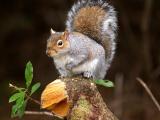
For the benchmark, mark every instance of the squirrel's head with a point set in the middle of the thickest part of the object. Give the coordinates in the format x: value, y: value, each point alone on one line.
x: 57, y: 43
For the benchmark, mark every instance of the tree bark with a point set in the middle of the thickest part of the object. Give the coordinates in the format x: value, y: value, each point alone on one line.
x: 86, y: 103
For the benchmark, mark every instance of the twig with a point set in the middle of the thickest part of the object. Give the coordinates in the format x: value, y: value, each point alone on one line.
x: 35, y: 101
x: 41, y: 113
x: 14, y: 87
x: 28, y: 97
x: 149, y: 93
x: 38, y: 113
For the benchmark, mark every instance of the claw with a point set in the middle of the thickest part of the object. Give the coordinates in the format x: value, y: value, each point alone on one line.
x: 88, y: 74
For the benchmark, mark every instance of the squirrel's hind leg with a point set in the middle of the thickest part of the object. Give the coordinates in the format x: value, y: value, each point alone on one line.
x: 87, y: 69
x: 98, y: 69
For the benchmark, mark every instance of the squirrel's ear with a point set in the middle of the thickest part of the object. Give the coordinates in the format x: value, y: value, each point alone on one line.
x: 52, y: 31
x: 65, y: 34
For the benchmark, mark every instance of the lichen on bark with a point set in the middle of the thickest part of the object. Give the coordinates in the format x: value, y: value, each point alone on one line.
x: 81, y: 110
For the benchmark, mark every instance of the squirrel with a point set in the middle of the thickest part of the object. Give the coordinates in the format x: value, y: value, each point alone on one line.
x: 87, y: 46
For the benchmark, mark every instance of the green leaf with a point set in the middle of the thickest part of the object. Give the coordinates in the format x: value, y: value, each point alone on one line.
x: 29, y: 74
x: 14, y: 97
x: 14, y: 110
x: 21, y: 110
x: 105, y: 83
x: 20, y: 100
x: 19, y: 105
x: 35, y: 87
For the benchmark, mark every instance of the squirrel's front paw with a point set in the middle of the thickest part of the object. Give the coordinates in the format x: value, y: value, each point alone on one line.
x: 88, y: 74
x: 69, y: 66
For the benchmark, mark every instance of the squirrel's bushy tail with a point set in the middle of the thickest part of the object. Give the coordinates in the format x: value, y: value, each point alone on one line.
x: 96, y: 19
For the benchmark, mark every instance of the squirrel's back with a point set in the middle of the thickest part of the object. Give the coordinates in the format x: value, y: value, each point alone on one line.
x: 97, y: 20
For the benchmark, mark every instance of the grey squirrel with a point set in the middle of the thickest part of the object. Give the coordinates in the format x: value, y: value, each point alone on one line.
x: 87, y: 46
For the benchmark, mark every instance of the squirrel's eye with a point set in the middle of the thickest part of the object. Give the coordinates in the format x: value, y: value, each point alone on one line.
x: 60, y: 43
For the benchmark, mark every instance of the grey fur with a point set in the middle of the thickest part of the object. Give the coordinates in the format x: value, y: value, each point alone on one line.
x: 81, y: 59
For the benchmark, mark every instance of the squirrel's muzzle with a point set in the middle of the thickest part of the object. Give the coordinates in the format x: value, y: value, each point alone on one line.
x: 51, y: 52
x: 48, y: 52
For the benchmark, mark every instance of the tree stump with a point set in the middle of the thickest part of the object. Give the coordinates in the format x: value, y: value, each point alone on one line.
x: 76, y: 99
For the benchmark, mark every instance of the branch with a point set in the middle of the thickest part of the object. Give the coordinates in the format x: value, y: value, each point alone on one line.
x: 149, y: 92
x: 38, y: 113
x: 33, y: 100
x: 77, y: 99
x: 28, y: 97
x: 42, y: 113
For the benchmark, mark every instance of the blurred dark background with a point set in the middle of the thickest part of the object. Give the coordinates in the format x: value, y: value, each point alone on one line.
x: 25, y: 26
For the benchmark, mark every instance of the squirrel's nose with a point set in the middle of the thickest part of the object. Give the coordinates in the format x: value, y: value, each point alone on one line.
x: 48, y: 52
